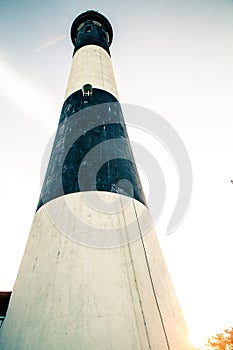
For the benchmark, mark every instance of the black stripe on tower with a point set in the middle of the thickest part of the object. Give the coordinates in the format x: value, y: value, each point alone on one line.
x: 91, y: 28
x: 91, y: 151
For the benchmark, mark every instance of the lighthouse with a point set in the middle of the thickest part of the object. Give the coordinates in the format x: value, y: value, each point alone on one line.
x: 92, y: 276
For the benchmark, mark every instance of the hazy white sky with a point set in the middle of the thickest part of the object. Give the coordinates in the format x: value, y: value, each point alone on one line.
x: 173, y: 57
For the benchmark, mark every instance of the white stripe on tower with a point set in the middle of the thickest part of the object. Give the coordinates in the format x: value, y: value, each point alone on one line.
x: 91, y: 64
x: 92, y: 276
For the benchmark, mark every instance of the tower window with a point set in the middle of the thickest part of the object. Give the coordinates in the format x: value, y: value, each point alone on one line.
x: 88, y: 29
x: 96, y: 23
x: 87, y: 90
x: 81, y: 25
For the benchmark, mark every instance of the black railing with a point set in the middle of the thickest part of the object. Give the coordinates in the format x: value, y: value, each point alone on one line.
x: 4, y: 302
x: 1, y: 320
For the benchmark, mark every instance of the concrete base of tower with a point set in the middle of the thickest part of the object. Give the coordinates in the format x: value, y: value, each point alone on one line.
x: 93, y: 277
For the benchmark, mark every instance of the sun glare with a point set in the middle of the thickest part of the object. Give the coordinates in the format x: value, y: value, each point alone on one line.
x: 197, y: 340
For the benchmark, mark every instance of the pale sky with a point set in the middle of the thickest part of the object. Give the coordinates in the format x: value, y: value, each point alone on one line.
x: 173, y: 57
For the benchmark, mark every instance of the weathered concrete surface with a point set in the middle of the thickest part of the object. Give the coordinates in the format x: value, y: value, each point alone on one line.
x: 71, y: 296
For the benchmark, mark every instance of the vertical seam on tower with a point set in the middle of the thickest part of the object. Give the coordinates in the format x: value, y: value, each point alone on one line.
x: 135, y: 279
x: 152, y: 283
x: 128, y: 278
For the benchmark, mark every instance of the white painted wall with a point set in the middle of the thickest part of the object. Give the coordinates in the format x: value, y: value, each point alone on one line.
x: 71, y: 296
x: 91, y: 64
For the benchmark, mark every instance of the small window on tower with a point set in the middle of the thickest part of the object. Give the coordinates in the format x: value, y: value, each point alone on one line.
x: 81, y: 25
x: 87, y: 90
x: 96, y: 23
x: 88, y: 29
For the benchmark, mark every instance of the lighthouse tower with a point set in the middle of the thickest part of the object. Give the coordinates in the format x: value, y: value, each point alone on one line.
x: 92, y: 275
